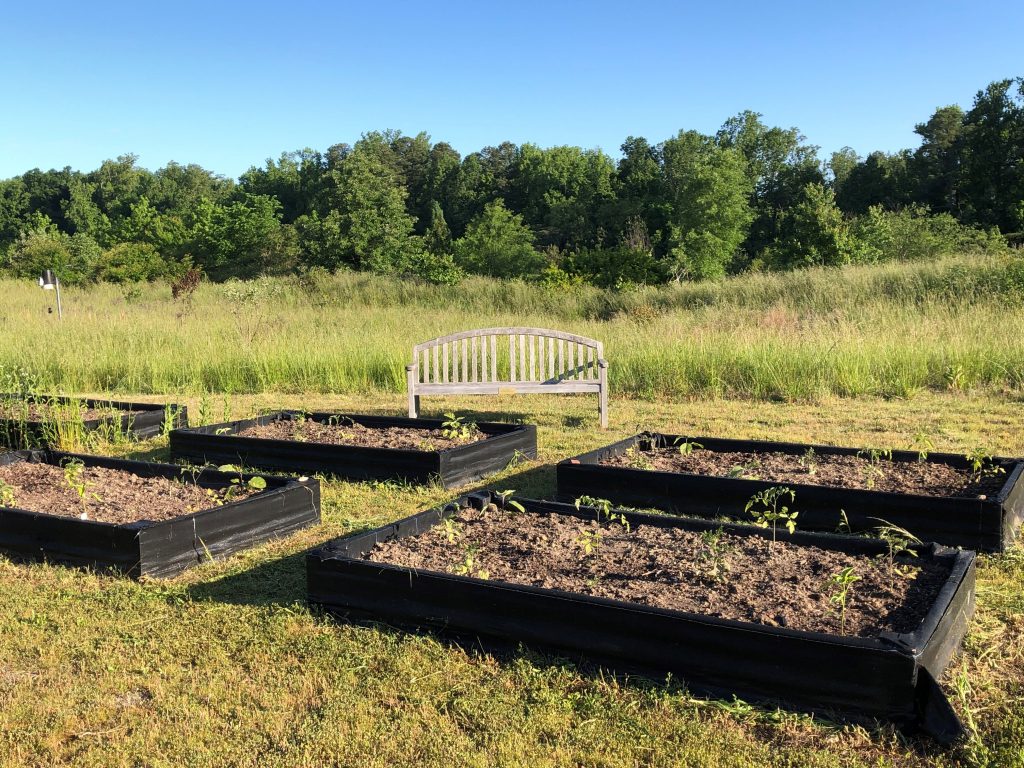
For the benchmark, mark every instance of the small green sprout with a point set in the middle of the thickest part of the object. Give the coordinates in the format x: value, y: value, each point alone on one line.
x: 772, y: 511
x: 924, y: 446
x: 470, y: 564
x: 604, y: 509
x: 839, y: 585
x: 898, y: 542
x: 7, y: 497
x: 507, y: 502
x: 983, y: 464
x: 74, y: 471
x: 809, y: 461
x: 589, y: 541
x: 637, y: 459
x: 686, y: 447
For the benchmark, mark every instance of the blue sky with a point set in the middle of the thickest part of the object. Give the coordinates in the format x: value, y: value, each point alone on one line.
x: 228, y: 85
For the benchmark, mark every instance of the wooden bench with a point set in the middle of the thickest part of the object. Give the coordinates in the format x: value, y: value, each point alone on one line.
x: 498, y: 361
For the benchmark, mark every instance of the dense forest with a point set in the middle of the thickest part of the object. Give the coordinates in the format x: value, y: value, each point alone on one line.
x: 693, y: 206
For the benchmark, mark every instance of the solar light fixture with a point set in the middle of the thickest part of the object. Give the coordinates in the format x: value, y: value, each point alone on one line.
x: 48, y: 282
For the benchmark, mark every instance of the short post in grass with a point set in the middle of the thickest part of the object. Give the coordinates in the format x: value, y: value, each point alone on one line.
x: 48, y: 282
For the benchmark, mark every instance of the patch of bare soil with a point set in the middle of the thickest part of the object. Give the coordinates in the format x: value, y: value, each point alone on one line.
x: 110, y: 495
x: 745, y: 578
x: 347, y: 432
x: 863, y: 471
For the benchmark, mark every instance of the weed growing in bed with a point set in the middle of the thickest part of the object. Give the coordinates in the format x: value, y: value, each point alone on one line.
x: 470, y: 564
x: 809, y: 461
x: 713, y: 555
x: 457, y: 428
x: 982, y: 464
x: 637, y: 459
x: 839, y: 586
x: 767, y: 511
x: 7, y: 495
x: 873, y: 471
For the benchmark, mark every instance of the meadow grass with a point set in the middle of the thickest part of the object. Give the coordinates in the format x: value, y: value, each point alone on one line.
x: 888, y: 330
x: 225, y: 665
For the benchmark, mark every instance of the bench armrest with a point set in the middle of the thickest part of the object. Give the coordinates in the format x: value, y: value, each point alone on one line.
x: 410, y: 368
x: 602, y: 363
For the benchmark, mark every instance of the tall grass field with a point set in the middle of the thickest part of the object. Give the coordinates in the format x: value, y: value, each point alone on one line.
x: 891, y: 330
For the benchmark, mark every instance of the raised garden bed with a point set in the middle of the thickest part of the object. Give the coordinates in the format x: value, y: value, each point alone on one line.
x: 721, y: 606
x: 139, y: 518
x: 358, y: 447
x: 933, y: 497
x: 30, y: 421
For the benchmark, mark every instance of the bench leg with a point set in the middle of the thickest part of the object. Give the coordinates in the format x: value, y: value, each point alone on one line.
x: 414, y: 406
x: 603, y: 394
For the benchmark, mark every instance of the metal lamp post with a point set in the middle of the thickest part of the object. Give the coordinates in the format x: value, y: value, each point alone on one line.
x: 48, y: 282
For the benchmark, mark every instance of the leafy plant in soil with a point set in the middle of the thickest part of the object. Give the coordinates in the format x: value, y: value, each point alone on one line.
x: 809, y: 461
x: 898, y: 542
x: 457, y: 428
x: 767, y: 511
x: 507, y: 502
x: 451, y: 528
x: 589, y: 541
x: 839, y: 586
x: 982, y: 464
x: 469, y: 565
x: 237, y: 483
x: 637, y: 460
x: 604, y: 509
x: 686, y: 447
x: 73, y: 476
x: 713, y: 555
x: 7, y: 496
x: 924, y: 446
x: 873, y: 469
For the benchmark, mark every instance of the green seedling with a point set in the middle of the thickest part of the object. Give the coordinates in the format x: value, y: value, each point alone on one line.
x: 74, y: 476
x: 589, y: 541
x: 713, y: 553
x: 254, y: 483
x: 983, y: 464
x: 637, y: 459
x: 744, y: 472
x: 604, y: 510
x: 773, y: 512
x: 844, y: 523
x: 924, y: 446
x: 809, y: 461
x: 7, y: 497
x: 839, y: 586
x: 873, y: 471
x: 470, y: 565
x: 507, y: 502
x: 686, y: 447
x: 452, y: 529
x: 898, y: 542
x: 457, y: 428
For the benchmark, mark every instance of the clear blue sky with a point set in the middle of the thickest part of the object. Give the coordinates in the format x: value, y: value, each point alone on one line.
x: 228, y: 85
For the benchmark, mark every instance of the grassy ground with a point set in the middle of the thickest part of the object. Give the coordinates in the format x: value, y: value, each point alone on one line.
x: 226, y: 666
x: 888, y: 330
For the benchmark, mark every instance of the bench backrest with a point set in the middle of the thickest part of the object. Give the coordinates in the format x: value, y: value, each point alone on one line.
x: 507, y: 355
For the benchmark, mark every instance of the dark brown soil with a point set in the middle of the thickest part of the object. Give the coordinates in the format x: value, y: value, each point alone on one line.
x: 44, y: 411
x: 928, y: 478
x: 349, y: 433
x: 123, y: 496
x: 744, y: 578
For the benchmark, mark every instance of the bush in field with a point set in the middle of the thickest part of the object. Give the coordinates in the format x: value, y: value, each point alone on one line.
x: 43, y: 246
x: 616, y: 267
x: 499, y: 244
x: 914, y: 234
x: 813, y: 233
x: 130, y: 263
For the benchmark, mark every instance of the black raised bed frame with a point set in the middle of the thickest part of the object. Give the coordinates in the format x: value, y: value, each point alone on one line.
x: 889, y: 677
x: 988, y: 525
x: 147, y: 420
x: 165, y: 548
x: 457, y: 465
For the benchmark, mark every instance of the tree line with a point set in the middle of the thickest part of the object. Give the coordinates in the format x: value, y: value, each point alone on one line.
x: 690, y: 207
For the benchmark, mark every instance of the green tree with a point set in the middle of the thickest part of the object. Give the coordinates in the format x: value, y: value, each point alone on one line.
x: 231, y: 240
x: 498, y: 243
x: 813, y: 232
x: 936, y: 163
x: 708, y: 188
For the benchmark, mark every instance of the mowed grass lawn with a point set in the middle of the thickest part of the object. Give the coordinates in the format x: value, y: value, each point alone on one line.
x: 225, y: 665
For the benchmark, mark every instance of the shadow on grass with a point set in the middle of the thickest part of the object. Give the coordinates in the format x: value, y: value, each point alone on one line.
x: 278, y: 582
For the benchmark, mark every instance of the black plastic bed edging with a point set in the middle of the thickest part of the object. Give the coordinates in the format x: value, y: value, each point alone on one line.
x: 146, y: 548
x: 458, y: 465
x: 140, y: 420
x: 890, y: 677
x: 988, y: 525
